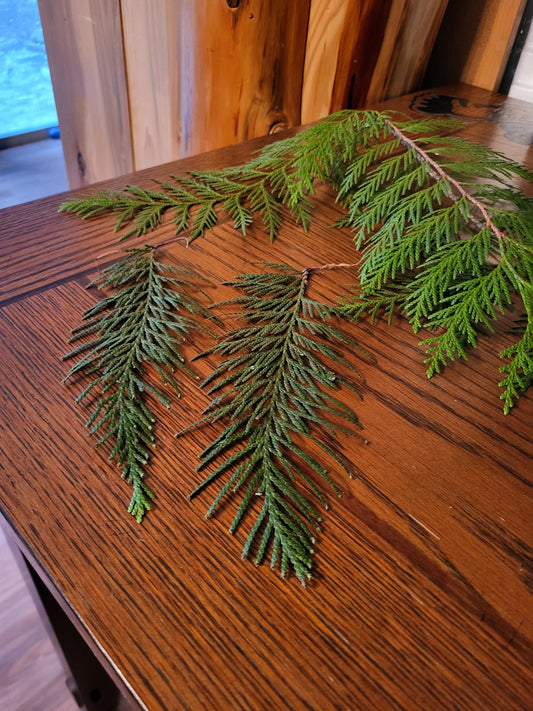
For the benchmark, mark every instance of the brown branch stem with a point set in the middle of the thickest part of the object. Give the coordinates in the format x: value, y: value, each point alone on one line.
x: 153, y: 247
x: 330, y: 266
x: 439, y: 173
x: 308, y: 270
x: 176, y: 238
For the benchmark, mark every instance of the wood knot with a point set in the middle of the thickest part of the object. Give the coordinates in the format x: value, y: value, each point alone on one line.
x: 233, y: 4
x: 81, y: 163
x: 278, y: 127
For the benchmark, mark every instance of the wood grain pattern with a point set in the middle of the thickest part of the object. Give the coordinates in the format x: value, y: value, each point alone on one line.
x: 326, y: 22
x: 241, y: 73
x: 422, y: 595
x: 491, y: 44
x: 360, y: 51
x: 404, y: 54
x: 86, y: 58
x: 208, y: 74
x: 142, y: 82
x: 151, y: 31
x: 54, y: 255
x: 474, y: 42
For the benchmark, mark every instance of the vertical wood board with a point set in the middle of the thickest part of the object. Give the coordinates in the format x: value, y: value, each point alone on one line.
x: 326, y: 22
x: 84, y: 45
x: 407, y: 43
x: 241, y: 70
x: 151, y: 31
x: 143, y: 82
x: 474, y: 43
x: 362, y: 51
x: 491, y: 43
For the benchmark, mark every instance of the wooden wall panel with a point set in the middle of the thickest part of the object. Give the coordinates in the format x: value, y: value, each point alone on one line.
x: 409, y: 37
x: 205, y: 74
x: 360, y: 51
x: 151, y: 31
x: 241, y: 69
x: 326, y: 22
x: 143, y: 82
x: 85, y: 54
x: 474, y: 43
x: 491, y: 43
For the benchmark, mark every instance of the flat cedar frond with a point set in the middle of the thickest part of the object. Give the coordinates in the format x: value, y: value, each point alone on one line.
x: 439, y: 244
x: 272, y: 384
x: 411, y: 193
x: 282, y: 174
x: 141, y: 323
x: 519, y: 371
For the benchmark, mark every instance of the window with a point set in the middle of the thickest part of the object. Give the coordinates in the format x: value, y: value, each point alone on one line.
x: 26, y: 96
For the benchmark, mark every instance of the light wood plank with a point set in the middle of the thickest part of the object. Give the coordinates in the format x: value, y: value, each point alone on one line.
x: 492, y: 42
x: 204, y: 75
x: 241, y: 70
x: 151, y: 30
x: 84, y: 46
x: 326, y: 20
x: 409, y: 38
x: 474, y: 42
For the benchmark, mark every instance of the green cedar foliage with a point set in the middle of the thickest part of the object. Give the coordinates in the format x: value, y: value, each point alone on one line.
x: 445, y: 236
x: 445, y: 239
x: 440, y: 245
x: 142, y: 322
x: 282, y: 174
x: 271, y: 385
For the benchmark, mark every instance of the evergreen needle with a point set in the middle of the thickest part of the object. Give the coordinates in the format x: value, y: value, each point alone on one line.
x: 412, y: 193
x: 141, y: 323
x: 275, y: 386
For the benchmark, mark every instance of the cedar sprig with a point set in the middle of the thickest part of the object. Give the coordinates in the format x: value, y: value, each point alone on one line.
x: 518, y: 371
x: 413, y: 193
x: 440, y: 245
x: 272, y: 384
x: 140, y: 324
x: 282, y: 174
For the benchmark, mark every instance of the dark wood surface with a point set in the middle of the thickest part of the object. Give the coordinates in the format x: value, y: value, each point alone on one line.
x: 422, y: 591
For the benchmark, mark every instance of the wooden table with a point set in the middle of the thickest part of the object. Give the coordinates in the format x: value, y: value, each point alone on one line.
x: 422, y: 591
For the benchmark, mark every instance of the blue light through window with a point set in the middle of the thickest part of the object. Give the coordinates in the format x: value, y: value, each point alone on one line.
x: 26, y: 96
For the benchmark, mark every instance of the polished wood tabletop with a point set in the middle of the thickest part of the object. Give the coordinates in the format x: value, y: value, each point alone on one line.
x: 421, y: 597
